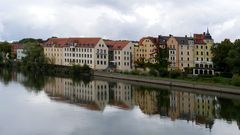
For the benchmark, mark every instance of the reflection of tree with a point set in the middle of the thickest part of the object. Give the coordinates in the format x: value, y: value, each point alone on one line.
x: 230, y: 109
x: 152, y: 100
x: 163, y: 99
x: 6, y: 75
x: 34, y: 81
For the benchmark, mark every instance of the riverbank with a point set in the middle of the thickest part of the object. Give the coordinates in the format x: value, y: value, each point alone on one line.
x: 171, y: 82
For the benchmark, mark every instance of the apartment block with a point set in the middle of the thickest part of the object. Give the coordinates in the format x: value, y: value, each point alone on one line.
x: 121, y: 55
x: 203, y: 54
x: 78, y: 51
x: 146, y: 50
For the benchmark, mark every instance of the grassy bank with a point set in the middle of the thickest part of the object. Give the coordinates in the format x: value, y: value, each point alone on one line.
x: 177, y: 76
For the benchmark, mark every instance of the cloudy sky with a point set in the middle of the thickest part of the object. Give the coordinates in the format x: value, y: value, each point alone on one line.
x: 118, y: 19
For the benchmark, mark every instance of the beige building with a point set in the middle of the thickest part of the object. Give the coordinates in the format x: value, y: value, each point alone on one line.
x: 186, y: 52
x: 121, y: 54
x: 77, y: 51
x: 146, y: 50
x: 54, y: 50
x: 173, y: 46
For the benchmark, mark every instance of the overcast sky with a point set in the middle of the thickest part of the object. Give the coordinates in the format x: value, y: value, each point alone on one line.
x: 118, y: 19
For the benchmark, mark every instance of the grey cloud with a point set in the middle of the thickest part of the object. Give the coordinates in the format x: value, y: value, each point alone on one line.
x: 117, y: 19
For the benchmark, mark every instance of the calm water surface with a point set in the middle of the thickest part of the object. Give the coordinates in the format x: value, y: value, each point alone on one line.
x: 40, y: 105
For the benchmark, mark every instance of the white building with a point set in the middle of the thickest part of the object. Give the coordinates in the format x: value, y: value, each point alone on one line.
x: 122, y: 54
x: 20, y: 54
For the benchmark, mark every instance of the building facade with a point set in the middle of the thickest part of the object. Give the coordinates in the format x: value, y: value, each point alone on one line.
x: 173, y: 46
x: 20, y: 54
x: 53, y: 49
x: 202, y: 54
x: 78, y: 51
x: 186, y: 52
x: 146, y: 50
x: 122, y: 55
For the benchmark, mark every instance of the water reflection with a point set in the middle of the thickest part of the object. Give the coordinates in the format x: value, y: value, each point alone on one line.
x: 95, y: 95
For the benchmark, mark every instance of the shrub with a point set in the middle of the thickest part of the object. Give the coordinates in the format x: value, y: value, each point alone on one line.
x: 236, y: 80
x: 135, y: 72
x: 153, y: 72
x: 163, y: 73
x: 226, y: 75
x: 175, y: 74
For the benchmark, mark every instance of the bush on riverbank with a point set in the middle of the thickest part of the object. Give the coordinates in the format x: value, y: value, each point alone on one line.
x: 235, y: 80
x: 175, y: 74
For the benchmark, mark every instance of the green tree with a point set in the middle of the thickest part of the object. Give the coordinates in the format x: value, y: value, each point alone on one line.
x: 30, y: 40
x: 233, y: 58
x: 220, y: 52
x: 35, y: 57
x: 162, y: 62
x: 5, y: 47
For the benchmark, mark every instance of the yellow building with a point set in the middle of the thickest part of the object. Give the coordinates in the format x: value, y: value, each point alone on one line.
x: 202, y: 54
x: 146, y: 50
x: 173, y: 46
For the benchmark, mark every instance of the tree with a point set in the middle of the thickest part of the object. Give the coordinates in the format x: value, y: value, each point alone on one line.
x: 220, y: 53
x: 35, y: 57
x: 30, y: 40
x: 5, y: 47
x: 233, y: 58
x: 162, y: 63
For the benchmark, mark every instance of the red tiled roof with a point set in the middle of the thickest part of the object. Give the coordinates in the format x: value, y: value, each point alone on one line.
x: 80, y: 42
x: 198, y: 39
x: 17, y: 46
x: 117, y: 45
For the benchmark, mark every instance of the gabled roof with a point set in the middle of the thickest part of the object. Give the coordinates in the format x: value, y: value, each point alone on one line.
x: 153, y: 40
x: 182, y: 40
x: 77, y: 42
x: 162, y: 40
x: 116, y: 45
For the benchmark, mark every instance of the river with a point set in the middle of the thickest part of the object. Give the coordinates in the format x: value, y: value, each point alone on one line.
x: 33, y: 104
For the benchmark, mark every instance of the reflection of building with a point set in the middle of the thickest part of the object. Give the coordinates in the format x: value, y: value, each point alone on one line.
x: 55, y: 87
x: 94, y: 95
x: 122, y: 95
x: 192, y: 107
x: 147, y: 101
x: 204, y: 110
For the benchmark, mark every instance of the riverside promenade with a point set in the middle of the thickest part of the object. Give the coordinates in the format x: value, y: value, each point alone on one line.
x: 170, y: 82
